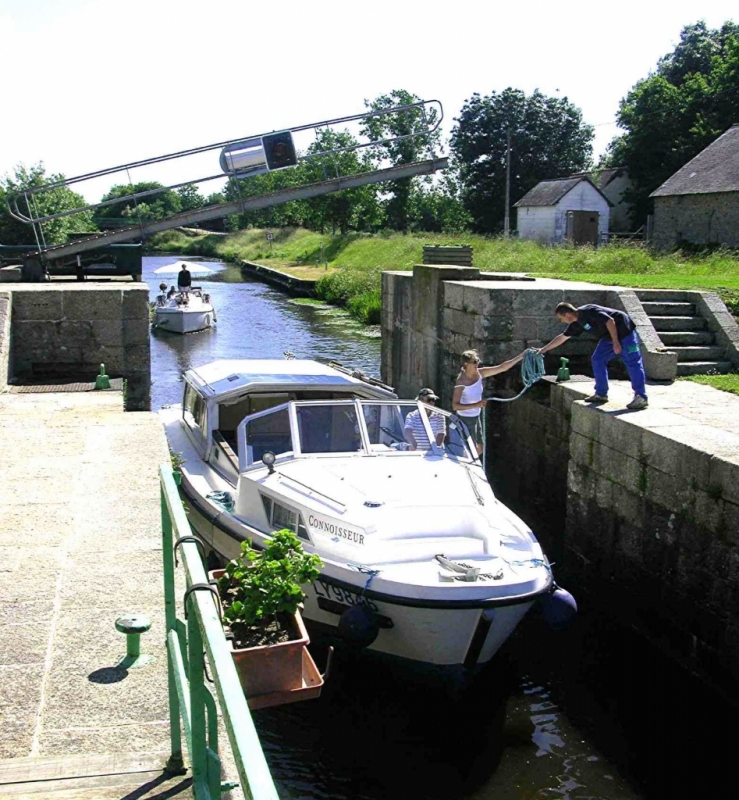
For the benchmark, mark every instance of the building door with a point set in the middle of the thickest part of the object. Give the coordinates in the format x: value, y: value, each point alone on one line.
x: 582, y: 227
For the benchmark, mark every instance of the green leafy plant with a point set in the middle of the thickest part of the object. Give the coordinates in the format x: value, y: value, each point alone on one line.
x: 262, y: 584
x: 176, y: 459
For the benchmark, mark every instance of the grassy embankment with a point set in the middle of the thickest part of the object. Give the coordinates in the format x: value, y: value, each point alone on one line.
x: 355, y: 261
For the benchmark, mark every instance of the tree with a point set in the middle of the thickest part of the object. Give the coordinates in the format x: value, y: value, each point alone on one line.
x: 146, y: 208
x: 548, y: 140
x: 190, y: 198
x: 437, y: 206
x: 405, y: 151
x: 671, y: 115
x: 14, y: 232
x: 355, y: 209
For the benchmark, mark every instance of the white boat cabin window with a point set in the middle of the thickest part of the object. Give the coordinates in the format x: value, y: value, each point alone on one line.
x: 270, y: 432
x: 194, y: 410
x: 280, y: 517
x: 330, y: 428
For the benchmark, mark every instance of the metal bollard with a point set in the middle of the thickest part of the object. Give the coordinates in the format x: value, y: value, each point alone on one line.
x: 563, y: 374
x: 133, y: 626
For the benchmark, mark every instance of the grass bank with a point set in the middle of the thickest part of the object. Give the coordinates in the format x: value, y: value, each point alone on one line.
x: 727, y: 383
x: 348, y: 267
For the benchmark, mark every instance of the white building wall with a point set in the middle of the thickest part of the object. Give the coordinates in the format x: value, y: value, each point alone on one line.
x: 536, y: 223
x: 583, y: 197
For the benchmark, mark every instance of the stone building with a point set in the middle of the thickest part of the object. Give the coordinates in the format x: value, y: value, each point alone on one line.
x: 571, y: 209
x: 699, y: 204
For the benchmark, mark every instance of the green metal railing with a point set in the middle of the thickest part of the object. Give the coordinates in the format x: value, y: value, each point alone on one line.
x: 190, y: 643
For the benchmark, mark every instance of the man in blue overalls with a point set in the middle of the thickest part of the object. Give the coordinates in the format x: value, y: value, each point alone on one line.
x: 618, y: 337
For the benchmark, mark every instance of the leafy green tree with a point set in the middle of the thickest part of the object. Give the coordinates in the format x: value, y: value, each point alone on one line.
x: 13, y: 232
x: 148, y: 207
x: 350, y: 209
x: 670, y: 116
x: 548, y: 140
x: 437, y: 206
x: 405, y: 151
x: 190, y: 198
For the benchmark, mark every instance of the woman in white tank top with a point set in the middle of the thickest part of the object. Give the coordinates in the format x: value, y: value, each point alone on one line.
x: 467, y: 400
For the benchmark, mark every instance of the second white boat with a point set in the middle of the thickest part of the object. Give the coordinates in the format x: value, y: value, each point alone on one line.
x: 184, y: 312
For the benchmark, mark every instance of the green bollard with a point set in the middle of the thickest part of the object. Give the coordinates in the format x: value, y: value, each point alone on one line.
x: 133, y: 626
x: 563, y: 374
x: 102, y: 381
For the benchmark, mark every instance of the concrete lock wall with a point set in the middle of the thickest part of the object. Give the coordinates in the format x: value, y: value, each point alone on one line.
x: 644, y: 516
x: 431, y: 316
x: 5, y: 348
x: 648, y: 523
x: 68, y: 330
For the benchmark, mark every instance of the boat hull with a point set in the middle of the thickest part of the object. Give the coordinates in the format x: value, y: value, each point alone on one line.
x: 447, y: 636
x: 187, y: 321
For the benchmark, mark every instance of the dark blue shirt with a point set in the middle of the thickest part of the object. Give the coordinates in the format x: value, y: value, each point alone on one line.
x: 594, y: 318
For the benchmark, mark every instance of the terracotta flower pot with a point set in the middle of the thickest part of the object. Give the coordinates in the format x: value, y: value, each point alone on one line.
x: 275, y: 667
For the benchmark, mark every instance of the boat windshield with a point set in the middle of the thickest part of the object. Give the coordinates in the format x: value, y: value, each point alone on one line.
x: 351, y: 426
x: 328, y: 428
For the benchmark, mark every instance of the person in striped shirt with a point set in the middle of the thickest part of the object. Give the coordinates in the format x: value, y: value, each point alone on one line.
x: 414, y: 431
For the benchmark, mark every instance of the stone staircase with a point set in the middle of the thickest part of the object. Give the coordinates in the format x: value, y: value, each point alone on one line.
x: 685, y: 332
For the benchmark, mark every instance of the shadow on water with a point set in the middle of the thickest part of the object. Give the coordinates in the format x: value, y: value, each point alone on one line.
x: 375, y: 733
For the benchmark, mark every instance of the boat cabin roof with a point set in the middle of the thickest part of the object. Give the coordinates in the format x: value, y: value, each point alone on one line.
x: 226, y: 377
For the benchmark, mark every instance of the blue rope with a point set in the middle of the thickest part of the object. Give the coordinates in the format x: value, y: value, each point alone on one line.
x: 532, y: 370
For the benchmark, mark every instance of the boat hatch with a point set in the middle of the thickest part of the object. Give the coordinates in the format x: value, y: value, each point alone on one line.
x: 349, y: 427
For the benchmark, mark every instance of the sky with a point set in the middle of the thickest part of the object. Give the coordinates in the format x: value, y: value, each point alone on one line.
x: 89, y: 84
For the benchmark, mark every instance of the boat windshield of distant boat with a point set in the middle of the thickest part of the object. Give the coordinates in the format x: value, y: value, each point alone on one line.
x: 184, y: 311
x: 413, y: 541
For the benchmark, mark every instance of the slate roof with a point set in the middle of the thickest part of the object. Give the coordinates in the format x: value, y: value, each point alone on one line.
x: 549, y: 193
x: 715, y: 169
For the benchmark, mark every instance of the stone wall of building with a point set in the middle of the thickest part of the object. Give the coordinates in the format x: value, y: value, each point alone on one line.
x: 696, y: 219
x: 68, y: 330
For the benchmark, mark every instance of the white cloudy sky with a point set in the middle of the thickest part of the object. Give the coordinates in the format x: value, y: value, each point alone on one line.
x: 88, y: 84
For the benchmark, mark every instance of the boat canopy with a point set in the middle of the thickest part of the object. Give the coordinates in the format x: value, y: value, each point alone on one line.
x: 228, y: 377
x: 349, y: 427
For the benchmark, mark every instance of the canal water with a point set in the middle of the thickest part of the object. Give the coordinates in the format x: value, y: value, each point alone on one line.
x: 592, y: 713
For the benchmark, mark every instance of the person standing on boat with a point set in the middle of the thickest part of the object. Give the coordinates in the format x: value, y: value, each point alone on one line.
x: 184, y: 279
x: 415, y: 432
x: 617, y: 336
x: 467, y: 398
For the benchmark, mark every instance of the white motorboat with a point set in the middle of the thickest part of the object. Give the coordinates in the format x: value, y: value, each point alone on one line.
x: 184, y: 312
x: 415, y: 546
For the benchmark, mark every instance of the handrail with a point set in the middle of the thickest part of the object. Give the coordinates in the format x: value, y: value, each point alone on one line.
x: 189, y: 645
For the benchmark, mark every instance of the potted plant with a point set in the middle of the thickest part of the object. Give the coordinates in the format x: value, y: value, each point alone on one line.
x: 260, y: 592
x: 177, y: 461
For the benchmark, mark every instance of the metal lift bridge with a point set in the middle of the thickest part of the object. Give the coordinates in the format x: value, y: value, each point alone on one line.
x: 239, y: 159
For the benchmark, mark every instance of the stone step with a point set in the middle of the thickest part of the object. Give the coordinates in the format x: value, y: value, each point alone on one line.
x: 685, y: 338
x: 703, y: 367
x: 664, y: 295
x: 678, y: 323
x: 698, y: 353
x: 673, y: 309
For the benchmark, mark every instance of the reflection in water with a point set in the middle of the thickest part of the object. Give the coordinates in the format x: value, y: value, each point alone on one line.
x: 380, y: 735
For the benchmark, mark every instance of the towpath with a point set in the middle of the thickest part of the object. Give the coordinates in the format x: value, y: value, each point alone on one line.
x: 80, y: 545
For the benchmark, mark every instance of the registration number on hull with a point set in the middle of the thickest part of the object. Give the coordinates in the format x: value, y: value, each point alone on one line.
x: 336, y: 593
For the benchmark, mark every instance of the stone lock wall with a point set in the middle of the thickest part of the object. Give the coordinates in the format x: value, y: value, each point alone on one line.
x: 642, y: 520
x: 68, y: 330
